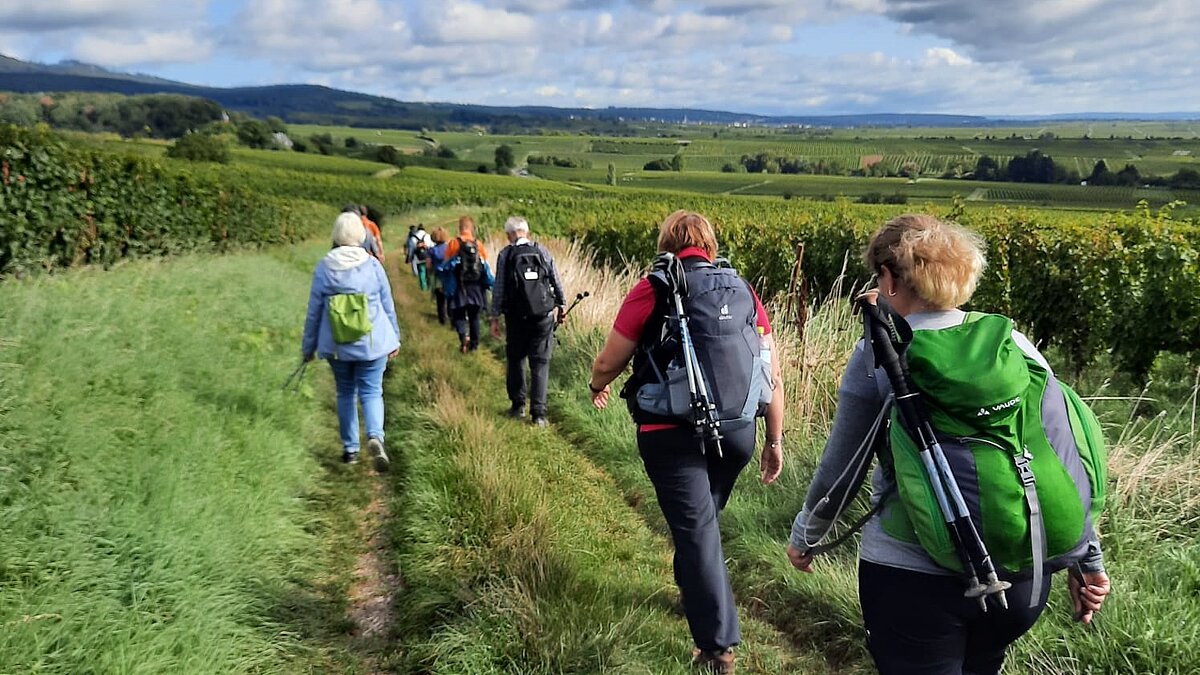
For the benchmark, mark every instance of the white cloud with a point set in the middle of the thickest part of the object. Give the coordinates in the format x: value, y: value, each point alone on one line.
x: 117, y: 50
x: 458, y: 22
x: 549, y: 91
x: 945, y: 55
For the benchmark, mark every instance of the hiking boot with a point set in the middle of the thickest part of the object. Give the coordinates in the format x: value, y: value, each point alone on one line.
x: 517, y: 412
x: 378, y: 455
x: 719, y: 661
x: 539, y: 421
x: 464, y: 345
x: 349, y: 457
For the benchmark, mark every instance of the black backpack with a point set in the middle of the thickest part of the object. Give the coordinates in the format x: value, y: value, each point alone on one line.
x: 470, y: 268
x: 723, y: 321
x: 528, y: 292
x: 421, y: 251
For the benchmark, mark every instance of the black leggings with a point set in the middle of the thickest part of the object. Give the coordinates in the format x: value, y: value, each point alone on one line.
x: 920, y: 624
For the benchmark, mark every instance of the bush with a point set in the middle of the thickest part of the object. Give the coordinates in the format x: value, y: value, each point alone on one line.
x: 200, y: 147
x: 657, y: 165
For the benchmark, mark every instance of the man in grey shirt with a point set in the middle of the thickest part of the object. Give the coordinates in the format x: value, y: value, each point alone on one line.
x: 529, y: 294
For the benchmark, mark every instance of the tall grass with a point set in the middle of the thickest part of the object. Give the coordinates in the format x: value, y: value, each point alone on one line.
x: 160, y: 509
x: 1151, y: 624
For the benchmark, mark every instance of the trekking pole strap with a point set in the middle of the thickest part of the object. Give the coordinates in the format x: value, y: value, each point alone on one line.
x: 293, y: 381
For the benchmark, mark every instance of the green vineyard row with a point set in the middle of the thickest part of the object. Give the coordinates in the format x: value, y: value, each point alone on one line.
x: 1085, y: 282
x: 61, y: 205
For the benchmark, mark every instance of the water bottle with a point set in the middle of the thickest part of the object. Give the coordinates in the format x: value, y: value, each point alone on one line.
x: 764, y: 348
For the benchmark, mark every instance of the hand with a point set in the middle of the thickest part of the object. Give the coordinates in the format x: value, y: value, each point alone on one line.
x: 801, y: 561
x: 771, y: 463
x: 560, y: 315
x: 309, y: 356
x: 496, y: 328
x: 1089, y: 595
x: 600, y: 398
x: 394, y: 353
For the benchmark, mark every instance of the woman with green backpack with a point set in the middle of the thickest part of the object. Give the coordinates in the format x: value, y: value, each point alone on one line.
x: 991, y: 472
x: 351, y: 322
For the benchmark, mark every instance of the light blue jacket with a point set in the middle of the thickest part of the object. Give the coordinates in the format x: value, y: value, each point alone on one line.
x: 368, y: 278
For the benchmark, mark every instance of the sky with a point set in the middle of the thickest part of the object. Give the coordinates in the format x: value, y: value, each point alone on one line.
x: 802, y: 57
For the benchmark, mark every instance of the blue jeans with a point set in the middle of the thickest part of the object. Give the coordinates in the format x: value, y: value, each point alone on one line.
x: 361, y: 380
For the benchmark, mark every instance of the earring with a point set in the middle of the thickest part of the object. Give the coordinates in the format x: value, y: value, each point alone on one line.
x: 892, y: 293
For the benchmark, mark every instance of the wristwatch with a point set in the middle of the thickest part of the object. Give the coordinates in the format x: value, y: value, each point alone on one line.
x: 594, y: 390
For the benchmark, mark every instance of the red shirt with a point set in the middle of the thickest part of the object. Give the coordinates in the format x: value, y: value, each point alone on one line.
x: 638, y: 306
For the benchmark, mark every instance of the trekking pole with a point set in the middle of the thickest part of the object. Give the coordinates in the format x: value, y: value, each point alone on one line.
x: 295, y: 378
x: 704, y: 416
x: 578, y: 298
x: 885, y: 335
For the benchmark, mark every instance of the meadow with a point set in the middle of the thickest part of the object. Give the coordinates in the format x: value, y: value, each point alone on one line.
x: 165, y: 507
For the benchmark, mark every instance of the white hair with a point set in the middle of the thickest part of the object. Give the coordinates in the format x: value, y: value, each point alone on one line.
x: 516, y: 224
x: 348, y: 230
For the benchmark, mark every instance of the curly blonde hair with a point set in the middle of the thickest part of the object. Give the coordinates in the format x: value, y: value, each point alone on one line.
x: 940, y: 261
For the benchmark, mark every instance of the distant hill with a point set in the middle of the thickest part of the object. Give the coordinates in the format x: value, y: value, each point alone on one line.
x: 306, y: 103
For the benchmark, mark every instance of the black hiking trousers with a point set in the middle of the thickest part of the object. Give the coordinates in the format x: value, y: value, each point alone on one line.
x: 529, y: 340
x: 692, y: 489
x: 920, y: 624
x: 439, y: 297
x: 466, y: 324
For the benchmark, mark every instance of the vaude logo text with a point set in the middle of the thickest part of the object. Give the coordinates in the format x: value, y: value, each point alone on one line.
x: 986, y: 412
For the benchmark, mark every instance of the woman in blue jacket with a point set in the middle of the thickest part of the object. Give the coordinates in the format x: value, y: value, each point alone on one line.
x: 358, y: 365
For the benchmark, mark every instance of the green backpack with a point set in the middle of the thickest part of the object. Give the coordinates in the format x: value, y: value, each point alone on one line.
x: 348, y: 317
x: 1026, y: 451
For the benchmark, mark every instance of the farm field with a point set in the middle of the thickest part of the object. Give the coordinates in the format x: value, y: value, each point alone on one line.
x: 113, y: 561
x: 931, y: 153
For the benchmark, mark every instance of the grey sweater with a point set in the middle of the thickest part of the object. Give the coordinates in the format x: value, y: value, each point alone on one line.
x: 860, y: 398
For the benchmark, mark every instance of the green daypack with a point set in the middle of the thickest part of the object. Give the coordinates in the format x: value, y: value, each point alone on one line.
x: 1018, y: 442
x: 348, y: 317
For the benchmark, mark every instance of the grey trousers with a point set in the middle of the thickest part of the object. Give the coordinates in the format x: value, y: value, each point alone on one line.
x: 529, y: 340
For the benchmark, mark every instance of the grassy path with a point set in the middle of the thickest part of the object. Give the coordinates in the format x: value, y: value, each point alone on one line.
x: 519, y: 554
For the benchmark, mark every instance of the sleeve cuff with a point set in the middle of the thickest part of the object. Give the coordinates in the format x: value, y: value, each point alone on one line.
x: 807, y: 530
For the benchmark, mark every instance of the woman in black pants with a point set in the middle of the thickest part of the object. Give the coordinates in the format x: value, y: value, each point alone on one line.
x: 693, y: 486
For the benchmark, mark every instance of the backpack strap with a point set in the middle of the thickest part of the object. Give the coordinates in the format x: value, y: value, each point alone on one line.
x: 1037, y: 526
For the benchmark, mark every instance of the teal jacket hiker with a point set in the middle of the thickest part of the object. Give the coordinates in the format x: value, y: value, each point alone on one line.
x: 349, y: 270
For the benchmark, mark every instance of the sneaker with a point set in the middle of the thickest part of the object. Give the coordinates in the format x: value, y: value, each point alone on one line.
x: 720, y: 661
x: 349, y: 457
x: 539, y: 421
x: 517, y: 412
x: 378, y: 455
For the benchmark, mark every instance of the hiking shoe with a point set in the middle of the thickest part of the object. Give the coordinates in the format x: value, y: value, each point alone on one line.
x: 539, y: 421
x: 465, y: 345
x: 378, y: 455
x: 516, y: 412
x: 719, y: 661
x: 349, y: 457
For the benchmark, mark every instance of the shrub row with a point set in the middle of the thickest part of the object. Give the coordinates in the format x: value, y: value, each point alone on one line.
x: 1129, y: 282
x: 62, y: 205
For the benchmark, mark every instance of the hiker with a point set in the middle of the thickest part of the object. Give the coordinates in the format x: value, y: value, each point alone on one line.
x: 410, y: 244
x: 373, y: 230
x: 437, y: 256
x: 351, y: 322
x: 371, y: 242
x: 470, y: 279
x: 529, y: 294
x: 693, y: 478
x: 914, y: 610
x: 422, y: 242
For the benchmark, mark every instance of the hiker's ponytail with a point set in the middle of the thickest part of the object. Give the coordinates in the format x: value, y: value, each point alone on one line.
x: 941, y: 262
